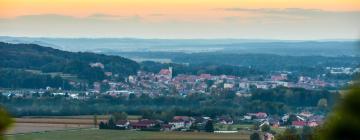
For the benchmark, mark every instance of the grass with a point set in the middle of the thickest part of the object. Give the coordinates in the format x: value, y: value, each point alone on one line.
x: 233, y: 127
x: 130, y: 117
x: 278, y: 130
x: 95, y: 134
x: 31, y: 124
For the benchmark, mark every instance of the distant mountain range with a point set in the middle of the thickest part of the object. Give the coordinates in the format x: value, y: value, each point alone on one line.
x: 241, y: 46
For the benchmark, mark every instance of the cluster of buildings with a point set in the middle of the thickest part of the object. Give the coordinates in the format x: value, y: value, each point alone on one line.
x: 179, y: 123
x: 342, y: 70
x: 164, y: 82
x: 187, y: 123
x: 297, y: 120
x: 38, y: 93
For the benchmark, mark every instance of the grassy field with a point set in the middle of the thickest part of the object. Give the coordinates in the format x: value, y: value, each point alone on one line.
x: 31, y: 124
x: 21, y: 128
x: 82, y: 128
x: 103, y: 117
x: 233, y: 127
x: 95, y: 134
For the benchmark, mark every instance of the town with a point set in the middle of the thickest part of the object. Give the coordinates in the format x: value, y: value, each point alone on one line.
x: 165, y: 84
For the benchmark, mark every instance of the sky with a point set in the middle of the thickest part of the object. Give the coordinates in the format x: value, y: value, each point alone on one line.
x: 245, y: 19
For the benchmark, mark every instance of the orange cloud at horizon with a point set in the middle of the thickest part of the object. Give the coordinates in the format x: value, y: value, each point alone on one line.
x: 173, y: 8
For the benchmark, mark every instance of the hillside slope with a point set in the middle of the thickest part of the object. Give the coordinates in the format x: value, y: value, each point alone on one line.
x: 87, y: 66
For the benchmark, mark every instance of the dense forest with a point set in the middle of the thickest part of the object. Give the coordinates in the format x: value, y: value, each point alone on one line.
x: 48, y: 60
x: 274, y: 101
x: 14, y: 78
x: 226, y: 63
x: 273, y: 61
x: 196, y: 69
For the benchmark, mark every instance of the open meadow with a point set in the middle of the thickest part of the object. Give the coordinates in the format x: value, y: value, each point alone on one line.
x: 31, y: 124
x: 82, y: 128
x: 96, y: 134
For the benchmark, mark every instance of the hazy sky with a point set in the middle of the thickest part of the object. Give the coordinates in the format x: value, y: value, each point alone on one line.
x: 265, y: 19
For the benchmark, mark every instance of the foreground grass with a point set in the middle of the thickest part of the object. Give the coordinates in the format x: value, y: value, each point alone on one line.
x: 130, y: 117
x: 233, y: 127
x: 95, y: 134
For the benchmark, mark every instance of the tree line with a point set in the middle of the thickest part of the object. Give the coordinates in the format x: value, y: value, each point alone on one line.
x: 163, y: 107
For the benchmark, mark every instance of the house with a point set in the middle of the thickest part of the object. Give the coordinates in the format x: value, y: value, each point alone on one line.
x: 247, y: 117
x: 97, y: 64
x: 280, y: 77
x: 257, y: 116
x: 228, y: 85
x: 167, y: 127
x: 167, y: 73
x: 319, y: 119
x: 262, y: 86
x: 260, y: 115
x: 274, y: 122
x: 224, y: 120
x: 123, y: 124
x: 306, y: 114
x: 205, y: 76
x: 177, y: 124
x: 312, y: 124
x: 285, y: 117
x: 244, y: 85
x: 201, y: 120
x: 143, y: 124
x: 181, y: 122
x: 298, y: 124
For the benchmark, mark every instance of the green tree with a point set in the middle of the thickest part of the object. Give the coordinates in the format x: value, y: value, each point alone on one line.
x: 167, y: 115
x: 266, y: 128
x: 120, y: 116
x: 289, y: 134
x: 306, y: 133
x: 255, y: 136
x: 102, y: 125
x: 5, y: 122
x: 322, y: 103
x: 111, y: 123
x: 291, y: 118
x: 344, y: 122
x: 209, y: 126
x: 230, y: 127
x: 256, y: 126
x: 95, y: 121
x: 194, y: 127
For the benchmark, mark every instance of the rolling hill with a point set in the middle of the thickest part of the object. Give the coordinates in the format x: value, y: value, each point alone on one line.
x: 84, y: 65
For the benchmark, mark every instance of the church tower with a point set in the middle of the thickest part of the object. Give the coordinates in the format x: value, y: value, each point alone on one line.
x: 171, y: 72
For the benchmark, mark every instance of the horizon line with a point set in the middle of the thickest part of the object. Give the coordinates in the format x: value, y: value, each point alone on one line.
x: 220, y: 38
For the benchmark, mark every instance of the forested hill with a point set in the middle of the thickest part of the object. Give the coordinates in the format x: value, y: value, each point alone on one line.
x: 84, y: 65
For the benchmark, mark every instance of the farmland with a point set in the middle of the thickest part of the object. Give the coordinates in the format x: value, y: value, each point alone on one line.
x: 31, y: 124
x: 82, y: 128
x: 21, y: 128
x: 95, y: 134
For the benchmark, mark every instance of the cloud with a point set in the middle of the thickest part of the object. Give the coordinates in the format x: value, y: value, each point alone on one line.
x: 157, y: 15
x: 45, y: 16
x: 287, y: 15
x: 294, y: 12
x: 260, y: 23
x: 101, y: 16
x: 104, y: 16
x: 276, y: 11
